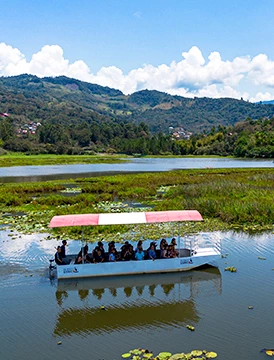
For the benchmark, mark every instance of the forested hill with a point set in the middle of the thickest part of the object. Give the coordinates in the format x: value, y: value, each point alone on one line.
x: 69, y: 101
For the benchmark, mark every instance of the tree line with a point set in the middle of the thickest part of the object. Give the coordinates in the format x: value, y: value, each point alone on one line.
x: 250, y: 138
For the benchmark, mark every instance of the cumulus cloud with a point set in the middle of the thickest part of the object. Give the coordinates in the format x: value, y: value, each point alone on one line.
x: 193, y: 75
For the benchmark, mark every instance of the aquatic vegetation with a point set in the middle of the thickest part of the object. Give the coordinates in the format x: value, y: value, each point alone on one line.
x: 269, y: 352
x: 138, y: 354
x: 231, y: 269
x: 18, y: 159
x: 190, y: 327
x: 228, y: 199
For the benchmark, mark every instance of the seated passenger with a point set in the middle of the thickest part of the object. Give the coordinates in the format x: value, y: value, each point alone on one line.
x: 112, y: 256
x: 127, y: 252
x: 162, y: 244
x: 173, y: 244
x: 170, y: 252
x: 139, y: 254
x: 58, y: 256
x: 83, y: 256
x: 101, y: 247
x: 139, y: 246
x: 152, y: 251
x: 164, y: 252
x: 98, y: 256
x: 111, y: 246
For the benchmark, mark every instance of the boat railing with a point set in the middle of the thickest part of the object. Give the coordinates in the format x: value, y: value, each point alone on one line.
x: 203, y: 241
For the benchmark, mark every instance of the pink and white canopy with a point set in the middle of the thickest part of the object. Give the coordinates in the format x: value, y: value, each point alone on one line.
x: 125, y: 218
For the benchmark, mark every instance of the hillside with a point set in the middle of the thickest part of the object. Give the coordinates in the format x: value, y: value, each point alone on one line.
x: 69, y: 101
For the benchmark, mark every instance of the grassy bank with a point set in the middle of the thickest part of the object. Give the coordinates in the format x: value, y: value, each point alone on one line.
x: 15, y: 159
x: 226, y: 198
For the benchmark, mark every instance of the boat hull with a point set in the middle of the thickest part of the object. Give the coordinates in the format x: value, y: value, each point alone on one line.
x: 135, y: 267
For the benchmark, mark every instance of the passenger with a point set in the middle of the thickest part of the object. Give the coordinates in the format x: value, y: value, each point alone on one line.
x: 112, y: 256
x: 98, y: 256
x: 63, y: 252
x: 83, y: 256
x: 162, y: 244
x: 170, y: 252
x: 58, y: 256
x: 173, y: 244
x: 164, y: 252
x: 152, y: 251
x: 139, y: 246
x: 111, y: 246
x: 127, y: 252
x: 101, y: 247
x: 139, y: 254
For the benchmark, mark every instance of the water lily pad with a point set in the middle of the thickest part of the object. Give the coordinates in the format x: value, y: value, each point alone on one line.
x: 164, y: 355
x: 211, y: 355
x: 126, y: 355
x: 147, y: 355
x: 196, y: 353
x: 177, y: 357
x: 136, y: 352
x: 190, y: 327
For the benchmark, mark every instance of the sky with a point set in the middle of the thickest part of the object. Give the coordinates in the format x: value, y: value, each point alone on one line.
x: 191, y: 48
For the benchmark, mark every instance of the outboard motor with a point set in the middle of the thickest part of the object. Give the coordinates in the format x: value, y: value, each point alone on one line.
x: 52, y: 269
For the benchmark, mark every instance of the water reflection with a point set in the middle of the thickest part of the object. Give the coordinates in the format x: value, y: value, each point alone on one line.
x: 102, y: 305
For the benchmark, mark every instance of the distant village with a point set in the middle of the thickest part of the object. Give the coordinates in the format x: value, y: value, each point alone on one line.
x: 179, y: 133
x: 29, y: 128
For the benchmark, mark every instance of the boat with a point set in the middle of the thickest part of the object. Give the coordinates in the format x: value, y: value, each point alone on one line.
x: 192, y: 255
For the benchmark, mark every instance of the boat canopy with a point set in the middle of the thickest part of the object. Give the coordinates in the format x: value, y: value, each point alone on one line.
x: 125, y: 218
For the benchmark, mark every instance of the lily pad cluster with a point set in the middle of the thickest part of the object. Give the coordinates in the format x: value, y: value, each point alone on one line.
x: 139, y: 354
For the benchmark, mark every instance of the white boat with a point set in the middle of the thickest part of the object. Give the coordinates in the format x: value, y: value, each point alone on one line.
x: 193, y: 254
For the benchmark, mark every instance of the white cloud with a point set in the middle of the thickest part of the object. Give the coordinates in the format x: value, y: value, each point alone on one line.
x: 192, y: 76
x: 137, y: 14
x: 261, y: 97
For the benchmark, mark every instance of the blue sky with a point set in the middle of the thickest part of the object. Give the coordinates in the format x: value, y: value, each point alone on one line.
x: 191, y: 48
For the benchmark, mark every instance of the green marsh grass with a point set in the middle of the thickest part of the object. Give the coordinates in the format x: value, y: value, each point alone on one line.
x: 226, y: 198
x: 15, y: 159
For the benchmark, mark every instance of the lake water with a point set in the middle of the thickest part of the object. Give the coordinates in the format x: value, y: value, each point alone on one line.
x: 135, y: 165
x: 143, y: 311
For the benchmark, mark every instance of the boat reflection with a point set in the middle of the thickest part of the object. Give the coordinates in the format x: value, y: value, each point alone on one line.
x: 118, y: 303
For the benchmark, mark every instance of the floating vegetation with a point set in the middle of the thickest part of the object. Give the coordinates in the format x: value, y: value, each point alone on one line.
x: 190, y: 327
x: 269, y: 352
x: 139, y: 354
x: 231, y: 269
x: 261, y: 258
x: 72, y: 190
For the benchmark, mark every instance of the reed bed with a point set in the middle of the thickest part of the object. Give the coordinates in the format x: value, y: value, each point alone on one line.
x: 227, y: 199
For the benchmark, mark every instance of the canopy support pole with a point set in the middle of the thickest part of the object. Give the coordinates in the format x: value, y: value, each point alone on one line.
x: 83, y: 245
x: 179, y: 238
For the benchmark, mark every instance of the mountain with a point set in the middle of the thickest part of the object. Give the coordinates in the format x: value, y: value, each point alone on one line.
x: 266, y: 102
x: 64, y: 100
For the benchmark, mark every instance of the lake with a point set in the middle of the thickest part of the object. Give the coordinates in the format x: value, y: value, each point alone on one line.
x: 135, y: 165
x: 142, y: 311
